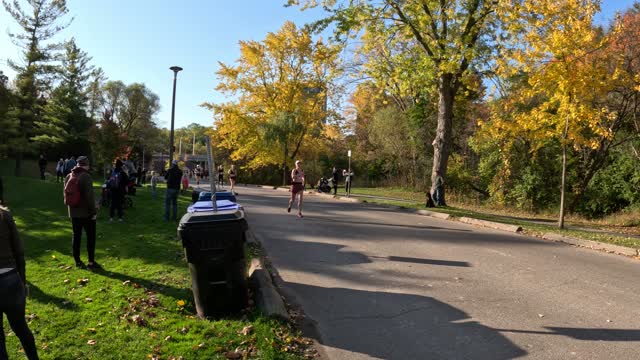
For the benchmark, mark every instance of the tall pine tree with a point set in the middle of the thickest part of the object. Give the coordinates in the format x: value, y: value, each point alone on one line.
x: 35, y: 68
x: 65, y: 124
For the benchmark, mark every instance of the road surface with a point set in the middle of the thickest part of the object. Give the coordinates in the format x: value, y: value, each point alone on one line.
x: 379, y: 283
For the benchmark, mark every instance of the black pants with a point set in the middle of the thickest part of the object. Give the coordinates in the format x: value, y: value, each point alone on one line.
x: 42, y: 174
x: 12, y: 304
x: 117, y: 201
x: 89, y: 226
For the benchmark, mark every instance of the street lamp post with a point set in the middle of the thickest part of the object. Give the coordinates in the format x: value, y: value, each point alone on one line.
x: 349, y: 174
x: 175, y: 70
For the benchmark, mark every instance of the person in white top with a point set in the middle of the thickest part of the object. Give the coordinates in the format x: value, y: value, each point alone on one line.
x: 297, y: 187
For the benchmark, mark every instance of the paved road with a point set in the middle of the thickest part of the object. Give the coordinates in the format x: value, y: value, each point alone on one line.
x: 377, y: 283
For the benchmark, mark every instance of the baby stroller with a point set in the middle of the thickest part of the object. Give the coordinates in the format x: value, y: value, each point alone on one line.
x: 323, y: 186
x: 105, y: 195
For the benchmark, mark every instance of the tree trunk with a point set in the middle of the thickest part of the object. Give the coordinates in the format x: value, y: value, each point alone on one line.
x: 562, y: 186
x: 442, y: 142
x: 564, y: 173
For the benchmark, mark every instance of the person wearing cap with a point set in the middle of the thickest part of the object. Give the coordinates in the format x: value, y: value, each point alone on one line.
x: 174, y: 176
x: 13, y: 287
x: 297, y: 187
x: 83, y: 216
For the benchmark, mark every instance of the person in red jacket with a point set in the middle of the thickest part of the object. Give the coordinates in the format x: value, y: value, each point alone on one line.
x: 83, y: 216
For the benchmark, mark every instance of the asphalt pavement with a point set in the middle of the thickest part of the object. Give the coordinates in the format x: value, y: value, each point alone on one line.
x: 375, y: 282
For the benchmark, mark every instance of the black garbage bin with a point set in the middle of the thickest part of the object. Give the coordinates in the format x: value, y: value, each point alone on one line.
x: 214, y: 247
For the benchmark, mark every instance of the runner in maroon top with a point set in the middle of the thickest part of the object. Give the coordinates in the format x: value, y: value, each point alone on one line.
x: 297, y: 187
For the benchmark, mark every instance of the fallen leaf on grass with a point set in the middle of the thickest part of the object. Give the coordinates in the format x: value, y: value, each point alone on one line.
x: 31, y: 317
x: 126, y: 282
x: 167, y: 338
x: 66, y: 281
x: 138, y: 320
x: 91, y: 330
x: 83, y: 281
x: 233, y: 355
x: 88, y: 299
x: 91, y: 342
x: 246, y: 330
x: 184, y: 330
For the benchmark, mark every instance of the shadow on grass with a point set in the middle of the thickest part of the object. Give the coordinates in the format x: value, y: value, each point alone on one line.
x: 166, y: 290
x: 36, y: 294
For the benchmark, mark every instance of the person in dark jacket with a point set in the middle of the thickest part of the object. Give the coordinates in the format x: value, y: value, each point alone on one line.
x: 117, y: 185
x: 42, y: 164
x: 13, y: 288
x: 83, y: 216
x: 334, y: 177
x: 174, y: 176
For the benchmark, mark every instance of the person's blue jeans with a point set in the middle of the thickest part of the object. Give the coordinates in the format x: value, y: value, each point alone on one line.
x: 12, y: 304
x: 171, y: 200
x: 153, y: 191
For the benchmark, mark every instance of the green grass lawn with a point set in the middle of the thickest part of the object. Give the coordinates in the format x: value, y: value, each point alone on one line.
x: 416, y: 200
x: 133, y: 309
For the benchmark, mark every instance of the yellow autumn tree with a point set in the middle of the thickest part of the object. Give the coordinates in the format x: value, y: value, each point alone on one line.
x: 553, y: 43
x: 279, y: 88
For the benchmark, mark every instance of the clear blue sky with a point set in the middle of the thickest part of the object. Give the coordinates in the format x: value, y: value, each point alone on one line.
x: 138, y: 40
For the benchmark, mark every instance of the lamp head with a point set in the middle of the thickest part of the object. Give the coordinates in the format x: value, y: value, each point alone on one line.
x: 175, y: 69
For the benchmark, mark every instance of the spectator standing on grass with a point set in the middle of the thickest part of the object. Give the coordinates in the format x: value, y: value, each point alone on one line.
x: 60, y: 170
x: 174, y: 175
x: 42, y: 165
x: 185, y: 182
x: 80, y: 201
x: 154, y: 184
x: 69, y: 165
x: 117, y: 185
x: 139, y: 172
x: 13, y: 287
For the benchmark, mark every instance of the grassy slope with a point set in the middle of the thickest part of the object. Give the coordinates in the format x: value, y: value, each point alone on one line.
x: 417, y: 199
x: 143, y: 262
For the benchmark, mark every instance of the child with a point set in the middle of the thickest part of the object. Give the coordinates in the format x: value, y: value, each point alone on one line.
x: 185, y: 183
x: 154, y: 183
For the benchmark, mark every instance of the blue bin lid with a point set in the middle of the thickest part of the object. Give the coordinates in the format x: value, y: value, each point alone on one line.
x: 202, y: 206
x: 220, y: 195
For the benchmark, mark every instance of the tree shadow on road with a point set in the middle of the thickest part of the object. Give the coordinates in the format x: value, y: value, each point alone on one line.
x: 398, y: 326
x: 585, y: 333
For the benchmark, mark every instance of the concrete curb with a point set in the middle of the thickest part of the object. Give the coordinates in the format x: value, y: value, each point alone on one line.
x: 491, y: 224
x: 592, y: 244
x: 433, y: 214
x: 268, y: 299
